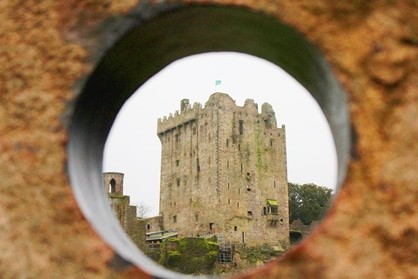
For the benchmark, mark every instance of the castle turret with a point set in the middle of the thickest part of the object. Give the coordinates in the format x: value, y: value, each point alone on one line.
x: 184, y: 105
x: 268, y: 115
x: 113, y: 182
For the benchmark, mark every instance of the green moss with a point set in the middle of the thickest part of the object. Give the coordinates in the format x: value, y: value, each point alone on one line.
x: 255, y: 255
x: 173, y: 257
x: 189, y: 255
x: 212, y: 256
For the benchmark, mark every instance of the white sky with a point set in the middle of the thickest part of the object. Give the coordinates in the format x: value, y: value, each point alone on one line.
x: 133, y: 147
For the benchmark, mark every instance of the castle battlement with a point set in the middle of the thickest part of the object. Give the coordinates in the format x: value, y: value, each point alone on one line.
x: 185, y: 115
x: 188, y: 113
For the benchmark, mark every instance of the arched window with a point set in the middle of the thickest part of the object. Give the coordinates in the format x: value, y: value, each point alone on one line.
x: 112, y: 187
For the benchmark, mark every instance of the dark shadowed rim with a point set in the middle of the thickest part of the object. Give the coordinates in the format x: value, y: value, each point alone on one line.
x: 150, y: 46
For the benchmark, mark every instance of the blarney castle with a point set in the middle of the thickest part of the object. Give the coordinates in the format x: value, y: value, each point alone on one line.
x: 223, y: 173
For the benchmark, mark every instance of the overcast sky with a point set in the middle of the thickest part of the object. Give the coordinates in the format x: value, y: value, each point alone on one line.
x: 133, y: 147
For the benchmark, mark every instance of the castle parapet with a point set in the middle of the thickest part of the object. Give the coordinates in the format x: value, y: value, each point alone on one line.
x: 185, y: 115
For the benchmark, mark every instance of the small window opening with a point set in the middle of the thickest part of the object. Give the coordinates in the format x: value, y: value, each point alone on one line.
x: 178, y: 182
x: 229, y: 201
x: 272, y: 207
x: 112, y: 186
x: 196, y: 217
x: 235, y: 228
x: 175, y: 219
x: 177, y: 162
x: 148, y: 226
x: 250, y: 214
x: 211, y: 226
x: 227, y: 142
x: 241, y: 127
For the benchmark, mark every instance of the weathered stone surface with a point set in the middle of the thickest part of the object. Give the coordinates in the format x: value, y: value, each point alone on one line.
x: 220, y: 165
x: 371, y: 231
x: 124, y: 211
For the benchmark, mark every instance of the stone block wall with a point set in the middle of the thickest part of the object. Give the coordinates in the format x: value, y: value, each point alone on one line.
x: 219, y: 169
x: 126, y: 213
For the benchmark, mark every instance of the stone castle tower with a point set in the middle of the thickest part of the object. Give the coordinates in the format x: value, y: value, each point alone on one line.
x: 224, y: 172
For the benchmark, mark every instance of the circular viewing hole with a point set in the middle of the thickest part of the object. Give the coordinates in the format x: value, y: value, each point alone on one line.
x: 134, y: 149
x: 231, y: 164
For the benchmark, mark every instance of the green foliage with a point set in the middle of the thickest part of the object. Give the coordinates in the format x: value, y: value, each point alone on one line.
x: 173, y: 257
x: 256, y: 254
x: 191, y: 255
x: 308, y: 202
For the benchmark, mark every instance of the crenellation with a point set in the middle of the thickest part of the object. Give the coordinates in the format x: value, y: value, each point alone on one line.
x: 185, y: 116
x: 250, y: 106
x: 184, y: 105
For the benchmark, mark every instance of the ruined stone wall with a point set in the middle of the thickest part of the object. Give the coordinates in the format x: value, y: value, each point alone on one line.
x: 125, y: 212
x: 120, y: 206
x: 154, y: 224
x: 219, y: 170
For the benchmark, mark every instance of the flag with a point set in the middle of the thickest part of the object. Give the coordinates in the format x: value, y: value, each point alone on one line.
x: 218, y: 82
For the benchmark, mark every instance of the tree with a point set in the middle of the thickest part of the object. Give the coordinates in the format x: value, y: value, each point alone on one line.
x: 308, y: 202
x: 142, y: 210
